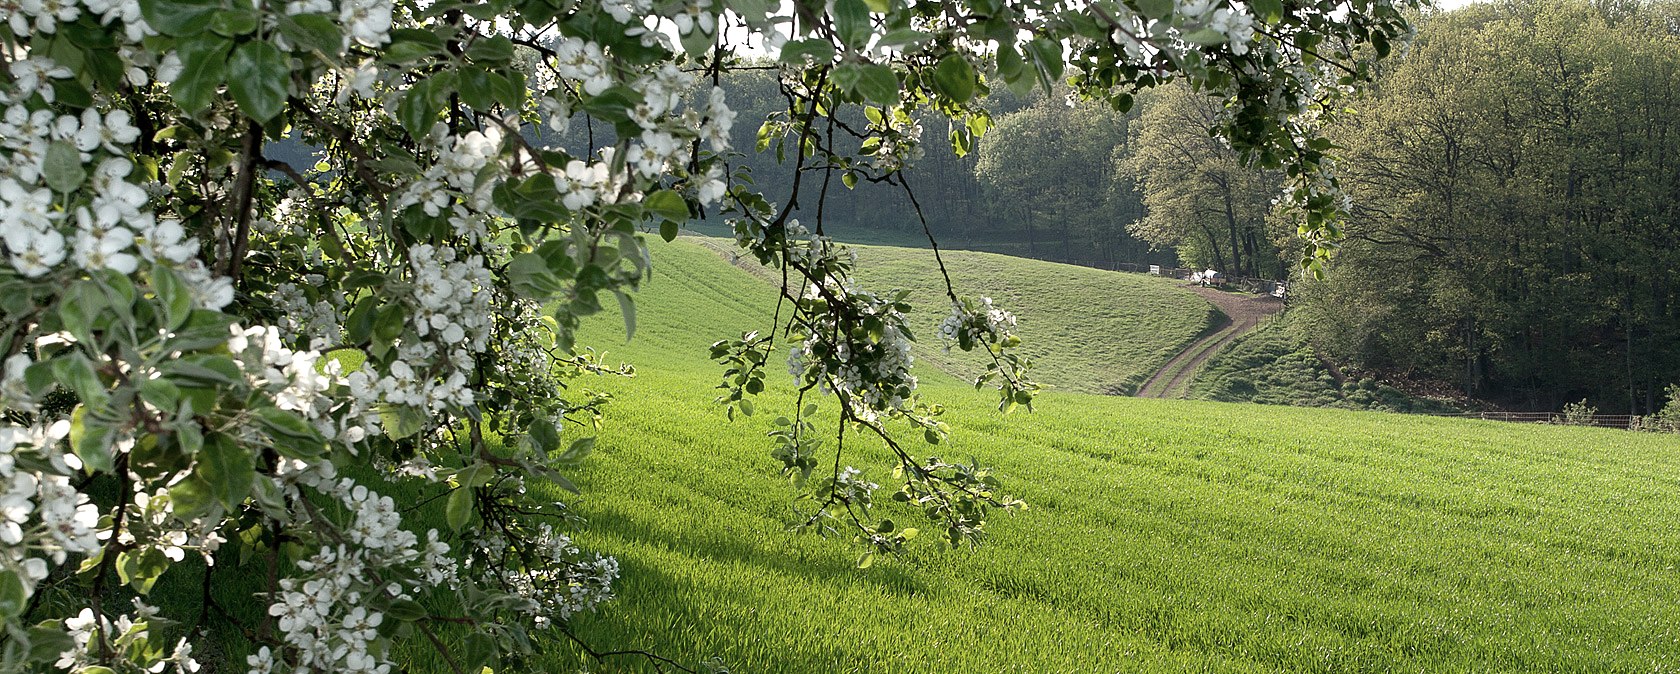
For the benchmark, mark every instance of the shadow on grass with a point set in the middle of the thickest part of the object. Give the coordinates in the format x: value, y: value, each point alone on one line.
x: 821, y: 567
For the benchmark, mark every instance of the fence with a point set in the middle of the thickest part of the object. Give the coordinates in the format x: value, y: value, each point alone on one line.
x: 1600, y: 420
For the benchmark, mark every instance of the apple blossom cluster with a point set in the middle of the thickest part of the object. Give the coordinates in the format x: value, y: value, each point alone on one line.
x: 661, y: 147
x: 450, y: 186
x: 555, y: 579
x: 863, y: 351
x: 150, y: 523
x: 112, y: 230
x: 313, y: 322
x: 92, y: 634
x: 850, y: 488
x: 45, y: 16
x: 897, y: 144
x: 43, y: 518
x: 1204, y: 22
x: 1191, y: 23
x: 969, y: 324
x: 450, y: 302
x: 291, y: 377
x: 870, y: 369
x: 322, y: 613
x: 369, y: 21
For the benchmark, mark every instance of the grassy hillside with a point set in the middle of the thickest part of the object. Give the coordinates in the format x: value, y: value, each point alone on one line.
x: 1275, y: 365
x: 1164, y: 535
x: 1088, y: 331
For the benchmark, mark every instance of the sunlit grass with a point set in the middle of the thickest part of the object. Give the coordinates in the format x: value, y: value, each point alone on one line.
x: 1164, y: 535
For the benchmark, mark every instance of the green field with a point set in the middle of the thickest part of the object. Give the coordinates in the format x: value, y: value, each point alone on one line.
x: 1163, y: 536
x: 1088, y: 331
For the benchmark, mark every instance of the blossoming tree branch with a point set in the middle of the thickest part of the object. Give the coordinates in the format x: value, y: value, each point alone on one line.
x: 215, y: 363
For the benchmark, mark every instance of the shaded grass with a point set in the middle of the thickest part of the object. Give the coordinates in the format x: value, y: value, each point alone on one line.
x: 1275, y: 365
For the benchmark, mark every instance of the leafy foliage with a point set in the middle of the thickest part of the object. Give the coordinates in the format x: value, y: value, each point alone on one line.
x: 217, y: 357
x: 1514, y: 182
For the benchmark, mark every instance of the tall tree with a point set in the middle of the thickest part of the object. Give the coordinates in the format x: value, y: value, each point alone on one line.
x: 1201, y: 197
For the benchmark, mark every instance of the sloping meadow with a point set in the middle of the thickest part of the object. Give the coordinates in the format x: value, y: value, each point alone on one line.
x: 1162, y: 535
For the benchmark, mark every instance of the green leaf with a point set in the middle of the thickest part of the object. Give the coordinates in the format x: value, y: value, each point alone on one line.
x: 228, y: 468
x: 420, y: 106
x: 72, y: 93
x: 1269, y: 11
x: 141, y: 570
x: 666, y: 204
x: 401, y: 421
x: 90, y: 440
x: 496, y: 49
x: 313, y: 33
x: 14, y: 597
x: 563, y: 483
x: 1009, y: 63
x: 234, y: 22
x: 1155, y: 9
x: 458, y: 511
x: 389, y: 325
x: 581, y: 448
x: 62, y: 167
x: 627, y: 308
x: 280, y: 423
x: 876, y: 83
x: 904, y: 38
x: 178, y: 18
x: 191, y: 496
x: 954, y: 78
x: 851, y: 22
x: 173, y: 295
x: 866, y: 560
x: 47, y: 641
x: 475, y: 88
x: 203, y: 69
x: 817, y: 50
x: 161, y: 393
x: 480, y: 650
x: 406, y: 610
x: 1047, y: 55
x: 668, y: 230
x: 534, y: 198
x: 529, y: 277
x: 544, y: 437
x: 257, y: 78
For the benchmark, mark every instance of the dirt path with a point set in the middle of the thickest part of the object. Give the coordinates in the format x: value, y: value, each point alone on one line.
x: 1240, y: 314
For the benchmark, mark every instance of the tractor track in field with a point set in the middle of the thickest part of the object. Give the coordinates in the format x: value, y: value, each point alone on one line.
x: 1239, y: 313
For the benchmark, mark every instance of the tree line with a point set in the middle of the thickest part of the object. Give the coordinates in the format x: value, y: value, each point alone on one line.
x: 1515, y: 182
